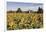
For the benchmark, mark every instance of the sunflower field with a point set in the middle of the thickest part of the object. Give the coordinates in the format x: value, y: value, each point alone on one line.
x: 24, y: 21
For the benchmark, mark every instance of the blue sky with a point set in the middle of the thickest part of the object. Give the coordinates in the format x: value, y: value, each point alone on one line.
x: 23, y: 6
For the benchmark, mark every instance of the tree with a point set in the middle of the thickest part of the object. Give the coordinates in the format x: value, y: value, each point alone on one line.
x: 19, y: 10
x: 40, y: 10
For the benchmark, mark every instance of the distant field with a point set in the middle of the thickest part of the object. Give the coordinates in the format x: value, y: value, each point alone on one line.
x: 24, y: 20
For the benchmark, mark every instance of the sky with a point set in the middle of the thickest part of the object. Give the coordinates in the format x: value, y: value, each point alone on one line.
x: 23, y: 6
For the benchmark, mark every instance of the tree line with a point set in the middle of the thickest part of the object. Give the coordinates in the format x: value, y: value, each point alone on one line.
x: 40, y: 10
